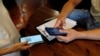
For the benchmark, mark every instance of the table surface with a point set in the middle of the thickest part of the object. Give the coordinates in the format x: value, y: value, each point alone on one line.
x: 55, y: 48
x: 75, y: 48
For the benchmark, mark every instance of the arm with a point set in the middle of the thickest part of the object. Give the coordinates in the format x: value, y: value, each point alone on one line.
x: 14, y: 48
x: 67, y: 8
x: 91, y: 34
x: 5, y: 51
x: 73, y: 34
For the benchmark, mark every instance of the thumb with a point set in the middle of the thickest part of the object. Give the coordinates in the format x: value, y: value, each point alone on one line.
x: 25, y: 43
x: 56, y: 24
x: 63, y: 30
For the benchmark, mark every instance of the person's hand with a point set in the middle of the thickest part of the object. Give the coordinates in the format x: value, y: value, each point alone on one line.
x: 20, y: 46
x: 71, y: 35
x: 60, y: 23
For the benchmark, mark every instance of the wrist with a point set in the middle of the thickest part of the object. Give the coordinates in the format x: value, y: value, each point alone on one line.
x: 81, y: 35
x: 61, y: 17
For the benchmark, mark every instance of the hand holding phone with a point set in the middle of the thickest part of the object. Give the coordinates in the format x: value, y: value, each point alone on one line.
x: 55, y: 31
x: 35, y: 39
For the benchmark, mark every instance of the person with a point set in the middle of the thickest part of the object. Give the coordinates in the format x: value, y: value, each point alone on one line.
x: 94, y: 30
x: 77, y: 10
x: 9, y: 35
x: 95, y: 9
x: 72, y: 34
x: 14, y: 48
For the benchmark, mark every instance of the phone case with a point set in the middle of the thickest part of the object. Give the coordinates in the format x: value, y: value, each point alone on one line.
x: 55, y: 31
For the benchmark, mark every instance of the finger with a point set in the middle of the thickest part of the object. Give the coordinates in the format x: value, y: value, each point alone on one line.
x: 63, y: 39
x: 64, y: 23
x: 60, y: 38
x: 24, y: 43
x: 30, y: 45
x: 65, y: 30
x: 26, y: 47
x: 56, y: 25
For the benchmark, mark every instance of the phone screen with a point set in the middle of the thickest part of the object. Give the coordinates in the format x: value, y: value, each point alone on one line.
x: 32, y: 39
x: 55, y: 31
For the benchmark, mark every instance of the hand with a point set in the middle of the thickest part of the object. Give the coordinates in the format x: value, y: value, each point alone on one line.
x: 60, y: 23
x: 71, y: 35
x: 20, y: 46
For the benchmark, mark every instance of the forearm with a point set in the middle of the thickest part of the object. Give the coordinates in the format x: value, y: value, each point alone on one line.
x: 6, y: 51
x: 91, y: 34
x: 68, y: 7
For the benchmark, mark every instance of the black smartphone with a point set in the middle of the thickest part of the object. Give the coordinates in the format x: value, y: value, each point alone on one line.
x: 34, y: 39
x: 55, y: 31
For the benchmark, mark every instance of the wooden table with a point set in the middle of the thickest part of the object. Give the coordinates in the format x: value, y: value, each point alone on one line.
x: 74, y: 48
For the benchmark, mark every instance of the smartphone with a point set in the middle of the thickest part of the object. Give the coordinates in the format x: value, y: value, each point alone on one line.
x: 55, y: 31
x: 34, y: 39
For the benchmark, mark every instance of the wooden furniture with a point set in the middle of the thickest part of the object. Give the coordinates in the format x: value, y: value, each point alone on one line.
x: 74, y: 48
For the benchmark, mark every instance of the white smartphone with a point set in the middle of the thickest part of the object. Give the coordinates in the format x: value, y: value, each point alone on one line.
x: 34, y: 39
